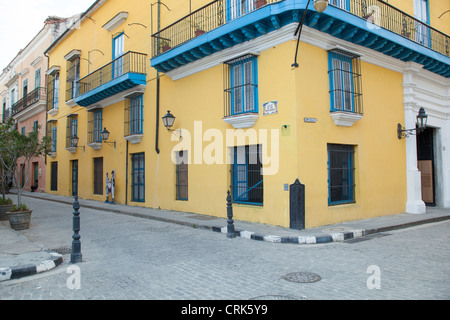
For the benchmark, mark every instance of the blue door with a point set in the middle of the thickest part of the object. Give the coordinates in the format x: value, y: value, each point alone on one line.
x: 422, y: 13
x: 118, y: 50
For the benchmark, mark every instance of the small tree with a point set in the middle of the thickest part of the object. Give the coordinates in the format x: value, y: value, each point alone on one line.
x: 7, y: 161
x: 24, y: 147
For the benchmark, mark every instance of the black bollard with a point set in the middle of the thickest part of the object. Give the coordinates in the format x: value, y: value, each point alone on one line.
x: 76, y: 243
x: 230, y: 223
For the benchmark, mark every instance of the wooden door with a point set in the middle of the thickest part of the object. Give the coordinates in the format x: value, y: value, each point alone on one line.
x: 426, y: 170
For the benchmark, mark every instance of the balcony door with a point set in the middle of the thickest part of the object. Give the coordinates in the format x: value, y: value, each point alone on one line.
x: 343, y: 4
x: 118, y: 51
x: 422, y: 13
x: 237, y: 8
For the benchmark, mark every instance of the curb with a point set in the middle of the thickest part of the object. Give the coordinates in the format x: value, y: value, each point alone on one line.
x: 334, y: 237
x: 27, y: 270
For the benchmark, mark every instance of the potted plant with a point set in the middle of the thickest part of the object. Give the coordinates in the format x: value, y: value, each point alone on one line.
x: 19, y: 217
x: 7, y: 167
x: 260, y: 3
x: 5, y: 206
x: 197, y: 26
x: 23, y: 147
x: 164, y: 45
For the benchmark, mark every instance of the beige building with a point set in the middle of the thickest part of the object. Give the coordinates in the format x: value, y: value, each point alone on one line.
x: 23, y: 93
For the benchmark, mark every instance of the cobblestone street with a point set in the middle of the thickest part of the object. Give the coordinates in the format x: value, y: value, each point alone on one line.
x: 126, y: 257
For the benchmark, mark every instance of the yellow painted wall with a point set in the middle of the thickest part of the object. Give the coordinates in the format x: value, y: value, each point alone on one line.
x: 88, y: 37
x: 379, y: 158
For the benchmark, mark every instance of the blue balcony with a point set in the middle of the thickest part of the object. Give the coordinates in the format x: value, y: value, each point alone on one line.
x: 118, y: 76
x: 218, y: 26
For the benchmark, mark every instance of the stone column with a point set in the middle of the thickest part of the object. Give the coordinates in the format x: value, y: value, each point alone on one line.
x: 414, y: 203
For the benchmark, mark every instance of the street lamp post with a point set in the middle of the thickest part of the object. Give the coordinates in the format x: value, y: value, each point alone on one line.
x: 320, y: 6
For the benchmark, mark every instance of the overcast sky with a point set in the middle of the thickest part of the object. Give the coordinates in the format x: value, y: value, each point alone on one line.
x: 21, y: 20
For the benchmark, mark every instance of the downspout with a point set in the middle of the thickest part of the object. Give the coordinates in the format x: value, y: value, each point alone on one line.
x: 157, y: 88
x: 126, y: 175
x: 157, y: 113
x: 46, y: 114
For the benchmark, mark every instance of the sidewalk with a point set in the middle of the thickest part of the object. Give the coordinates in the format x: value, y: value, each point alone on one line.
x: 28, y: 259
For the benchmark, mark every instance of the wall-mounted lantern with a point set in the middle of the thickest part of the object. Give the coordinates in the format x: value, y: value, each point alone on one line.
x: 168, y: 121
x: 105, y: 135
x: 422, y: 118
x: 74, y: 142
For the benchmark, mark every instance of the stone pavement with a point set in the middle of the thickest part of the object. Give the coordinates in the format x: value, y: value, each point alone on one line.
x: 20, y: 257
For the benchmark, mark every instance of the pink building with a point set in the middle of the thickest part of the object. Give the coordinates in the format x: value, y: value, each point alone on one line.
x: 23, y: 94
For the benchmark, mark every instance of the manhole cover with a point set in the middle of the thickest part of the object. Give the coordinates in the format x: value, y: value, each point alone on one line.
x: 273, y: 297
x: 302, y: 277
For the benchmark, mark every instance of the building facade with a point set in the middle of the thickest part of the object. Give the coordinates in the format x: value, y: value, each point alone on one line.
x: 257, y: 113
x: 23, y: 94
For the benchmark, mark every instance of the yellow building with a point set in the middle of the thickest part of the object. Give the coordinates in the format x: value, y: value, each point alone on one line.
x: 252, y: 115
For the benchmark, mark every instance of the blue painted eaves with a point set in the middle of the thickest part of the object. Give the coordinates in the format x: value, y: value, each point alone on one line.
x: 334, y: 21
x: 120, y: 84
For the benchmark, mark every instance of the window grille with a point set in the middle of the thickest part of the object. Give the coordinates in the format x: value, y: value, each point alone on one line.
x: 246, y: 175
x: 134, y: 110
x: 53, y: 91
x: 95, y: 125
x: 73, y: 75
x: 241, y: 87
x: 345, y: 82
x: 72, y: 129
x: 52, y: 132
x: 341, y: 186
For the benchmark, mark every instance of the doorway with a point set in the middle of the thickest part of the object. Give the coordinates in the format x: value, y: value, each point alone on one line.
x: 426, y: 165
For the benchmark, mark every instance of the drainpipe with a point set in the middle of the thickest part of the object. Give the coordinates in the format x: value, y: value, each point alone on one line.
x: 126, y: 175
x: 157, y: 89
x: 46, y: 98
x: 157, y: 113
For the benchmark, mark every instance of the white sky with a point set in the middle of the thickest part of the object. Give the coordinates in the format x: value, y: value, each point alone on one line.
x: 21, y: 20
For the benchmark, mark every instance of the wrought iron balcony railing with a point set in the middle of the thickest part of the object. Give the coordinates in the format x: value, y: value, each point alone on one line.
x: 130, y: 62
x: 205, y: 19
x: 220, y: 12
x: 38, y: 94
x: 386, y: 16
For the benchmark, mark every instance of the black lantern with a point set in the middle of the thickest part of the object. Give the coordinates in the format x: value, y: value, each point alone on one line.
x: 168, y: 120
x: 105, y: 135
x: 422, y: 120
x: 74, y: 141
x: 421, y: 125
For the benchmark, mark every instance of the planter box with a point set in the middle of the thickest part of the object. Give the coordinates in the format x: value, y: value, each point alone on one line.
x: 20, y: 220
x: 4, y: 209
x: 199, y: 32
x: 260, y: 3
